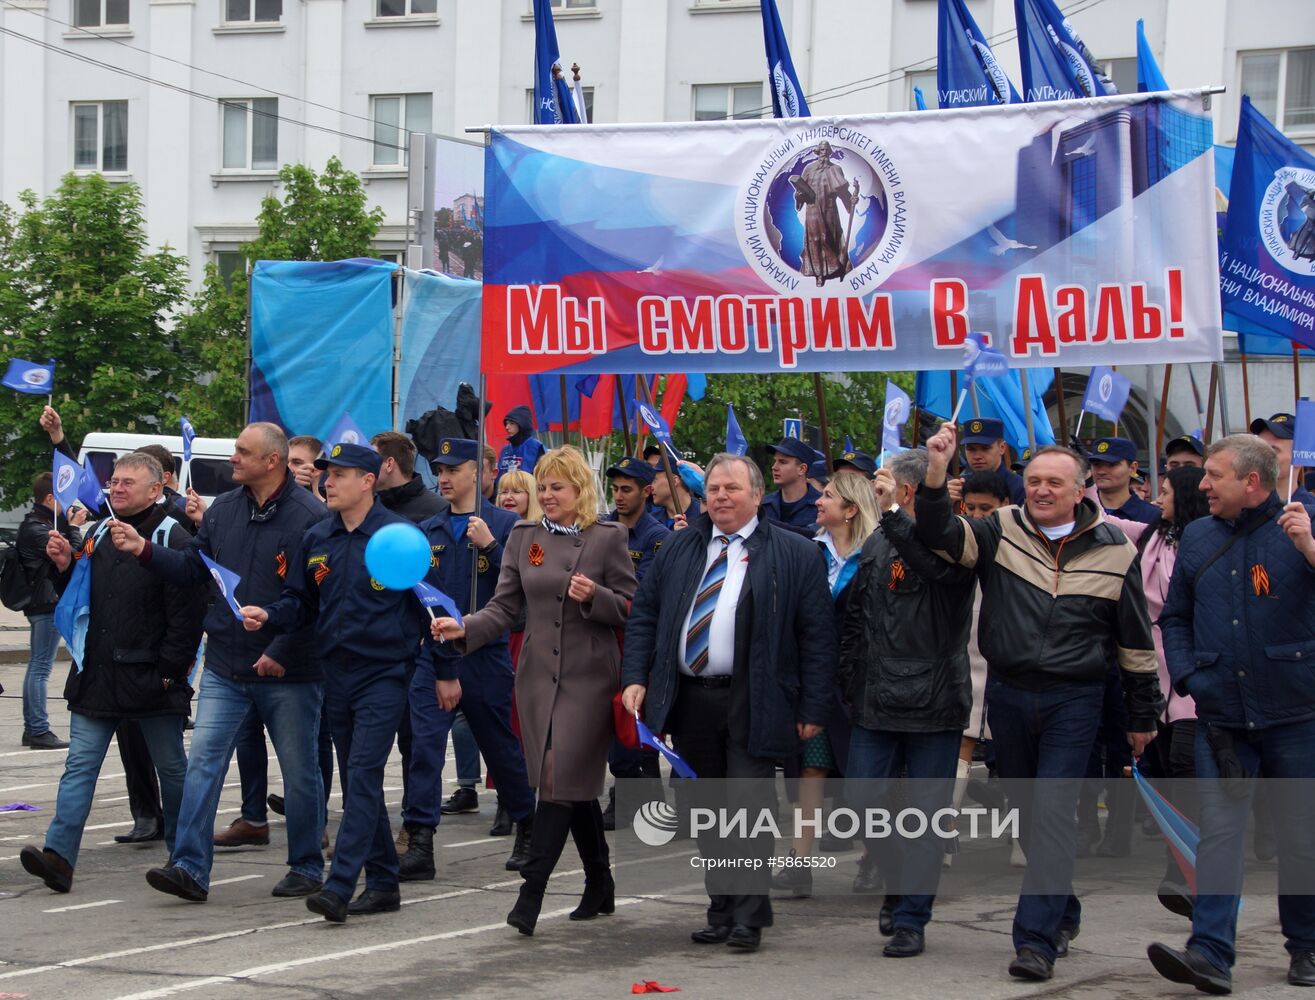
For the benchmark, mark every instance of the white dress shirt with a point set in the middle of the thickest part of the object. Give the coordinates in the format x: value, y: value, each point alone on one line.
x: 721, y: 631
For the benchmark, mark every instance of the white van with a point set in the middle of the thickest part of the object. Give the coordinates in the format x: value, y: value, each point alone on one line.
x: 210, y: 472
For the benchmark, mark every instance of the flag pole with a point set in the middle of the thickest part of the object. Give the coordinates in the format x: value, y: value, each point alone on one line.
x: 1164, y: 412
x: 1061, y: 409
x: 954, y: 392
x: 821, y: 417
x: 977, y: 404
x: 1115, y: 424
x: 625, y: 417
x: 1246, y: 390
x: 566, y: 408
x: 479, y: 491
x: 1027, y: 408
x: 642, y: 383
x: 1210, y: 402
x: 1296, y: 375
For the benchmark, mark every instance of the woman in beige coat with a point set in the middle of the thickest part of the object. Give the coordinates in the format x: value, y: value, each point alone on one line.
x: 574, y: 578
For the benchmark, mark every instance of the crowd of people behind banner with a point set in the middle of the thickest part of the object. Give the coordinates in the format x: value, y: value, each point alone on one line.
x: 1046, y: 609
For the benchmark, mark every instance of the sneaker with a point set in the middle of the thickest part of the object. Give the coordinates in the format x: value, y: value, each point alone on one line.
x: 463, y: 800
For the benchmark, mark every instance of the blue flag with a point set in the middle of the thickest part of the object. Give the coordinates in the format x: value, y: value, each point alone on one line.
x: 967, y: 74
x: 788, y: 99
x: 657, y: 424
x: 919, y: 101
x: 895, y: 415
x: 189, y: 435
x: 736, y: 443
x: 30, y: 377
x: 849, y: 443
x: 226, y: 580
x: 1057, y: 66
x: 345, y: 431
x: 696, y: 386
x: 66, y: 475
x: 1267, y: 261
x: 979, y: 359
x: 1107, y: 393
x: 1303, y: 434
x: 431, y: 597
x: 89, y: 488
x: 1149, y: 77
x: 1000, y: 397
x: 549, y: 106
x: 646, y: 738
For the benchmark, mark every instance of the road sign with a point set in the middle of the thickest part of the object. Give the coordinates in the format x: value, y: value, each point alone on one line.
x: 794, y: 428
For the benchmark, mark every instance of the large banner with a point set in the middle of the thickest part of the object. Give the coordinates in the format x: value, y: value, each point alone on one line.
x: 1072, y: 233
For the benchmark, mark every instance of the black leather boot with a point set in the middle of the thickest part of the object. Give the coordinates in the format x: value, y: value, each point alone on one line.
x: 551, y: 826
x: 417, y: 864
x: 599, y: 887
x: 520, y: 848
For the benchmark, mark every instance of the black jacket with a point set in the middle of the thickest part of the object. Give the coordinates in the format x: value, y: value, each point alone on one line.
x: 904, y: 642
x: 259, y: 545
x: 791, y: 650
x: 414, y: 501
x: 39, y: 570
x: 142, y: 635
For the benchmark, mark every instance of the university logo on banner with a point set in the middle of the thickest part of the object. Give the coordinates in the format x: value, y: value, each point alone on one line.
x: 1287, y: 219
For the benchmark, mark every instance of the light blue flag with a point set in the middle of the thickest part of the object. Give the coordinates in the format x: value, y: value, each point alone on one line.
x: 895, y: 415
x: 345, y: 431
x: 979, y: 359
x: 1303, y: 434
x: 1107, y: 393
x: 736, y: 442
x: 30, y: 377
x: 89, y: 488
x: 66, y: 477
x: 919, y: 101
x: 788, y: 99
x: 189, y: 435
x: 647, y: 738
x: 431, y: 597
x: 1149, y: 77
x: 226, y: 580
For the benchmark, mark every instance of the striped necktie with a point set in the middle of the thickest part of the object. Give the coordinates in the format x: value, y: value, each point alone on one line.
x: 700, y: 619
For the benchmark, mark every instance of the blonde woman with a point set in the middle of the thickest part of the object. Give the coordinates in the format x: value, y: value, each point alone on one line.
x: 846, y: 516
x: 573, y: 576
x: 518, y: 493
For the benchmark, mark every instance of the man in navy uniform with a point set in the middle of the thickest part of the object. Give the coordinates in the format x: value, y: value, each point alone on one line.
x: 481, y: 682
x: 856, y: 461
x: 1113, y: 462
x: 1183, y: 450
x: 1276, y: 431
x: 632, y: 486
x: 369, y: 638
x: 985, y: 450
x: 794, y: 502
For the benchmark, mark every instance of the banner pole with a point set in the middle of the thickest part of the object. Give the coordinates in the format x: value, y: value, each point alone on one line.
x: 1164, y: 412
x: 1153, y: 435
x: 977, y: 403
x: 1246, y: 390
x: 954, y: 394
x: 1210, y: 402
x: 1115, y: 425
x: 625, y: 417
x: 479, y: 490
x: 1296, y: 375
x: 1225, y: 425
x: 566, y: 408
x: 821, y: 419
x: 1061, y: 409
x: 647, y: 394
x: 1024, y: 384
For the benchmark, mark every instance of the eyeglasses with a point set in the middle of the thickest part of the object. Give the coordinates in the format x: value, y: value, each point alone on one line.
x: 128, y: 484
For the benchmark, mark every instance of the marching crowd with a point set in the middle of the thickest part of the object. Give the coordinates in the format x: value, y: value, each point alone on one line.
x: 866, y: 622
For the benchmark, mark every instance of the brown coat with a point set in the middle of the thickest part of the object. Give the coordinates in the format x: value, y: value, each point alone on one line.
x: 570, y: 664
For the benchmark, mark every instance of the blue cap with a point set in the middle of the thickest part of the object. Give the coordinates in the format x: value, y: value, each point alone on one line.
x: 1185, y: 442
x: 793, y: 448
x: 351, y: 456
x: 856, y: 460
x: 817, y: 470
x: 633, y: 468
x: 1113, y: 450
x: 1281, y: 425
x: 456, y: 451
x: 983, y: 430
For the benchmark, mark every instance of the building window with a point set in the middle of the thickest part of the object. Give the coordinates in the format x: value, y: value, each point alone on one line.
x: 588, y: 105
x: 571, y: 4
x: 253, y: 11
x: 395, y: 116
x: 407, y: 8
x: 99, y: 13
x: 1123, y: 74
x: 1281, y: 85
x: 924, y: 80
x: 251, y: 134
x: 719, y: 101
x: 229, y: 263
x: 100, y: 136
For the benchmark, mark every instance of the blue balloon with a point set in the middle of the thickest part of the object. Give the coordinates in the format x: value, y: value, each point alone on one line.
x: 397, y: 556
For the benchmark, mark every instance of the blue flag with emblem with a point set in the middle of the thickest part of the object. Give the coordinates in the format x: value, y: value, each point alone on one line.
x: 788, y: 99
x: 189, y: 435
x: 66, y: 477
x: 1057, y: 65
x: 1303, y: 434
x: 648, y: 739
x: 345, y: 431
x: 30, y: 377
x: 979, y: 358
x: 549, y: 107
x: 1107, y: 393
x: 967, y: 74
x: 431, y: 597
x: 1149, y: 77
x: 89, y: 488
x: 894, y: 416
x: 658, y: 425
x: 226, y: 580
x: 736, y: 442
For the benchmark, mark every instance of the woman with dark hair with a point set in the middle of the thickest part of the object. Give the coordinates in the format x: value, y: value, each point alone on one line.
x: 1181, y: 502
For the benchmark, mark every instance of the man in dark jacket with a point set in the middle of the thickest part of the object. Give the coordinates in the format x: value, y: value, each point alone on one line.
x: 33, y: 534
x: 730, y: 648
x: 1239, y: 637
x: 400, y: 488
x: 794, y: 502
x: 903, y: 676
x: 255, y: 531
x: 1061, y: 599
x: 131, y: 663
x: 522, y: 449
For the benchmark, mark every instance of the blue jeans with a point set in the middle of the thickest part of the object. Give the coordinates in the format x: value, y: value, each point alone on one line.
x: 252, y: 767
x: 45, y: 643
x: 465, y: 751
x: 931, y: 760
x: 224, y: 707
x: 89, y: 739
x: 1044, y: 735
x: 1280, y: 752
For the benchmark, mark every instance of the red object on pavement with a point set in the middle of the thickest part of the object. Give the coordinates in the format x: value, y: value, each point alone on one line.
x: 653, y: 986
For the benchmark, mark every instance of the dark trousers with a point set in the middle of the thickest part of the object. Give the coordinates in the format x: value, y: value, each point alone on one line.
x: 138, y: 771
x: 701, y: 728
x: 366, y: 702
x: 1110, y: 754
x: 253, y: 764
x: 486, y: 686
x: 1044, y: 735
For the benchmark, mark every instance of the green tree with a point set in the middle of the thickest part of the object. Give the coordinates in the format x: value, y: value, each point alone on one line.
x: 78, y: 283
x: 215, y: 329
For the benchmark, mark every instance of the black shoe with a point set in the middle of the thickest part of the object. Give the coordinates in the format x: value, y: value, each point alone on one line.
x: 417, y: 864
x: 1190, y: 967
x: 794, y: 879
x: 275, y: 803
x: 295, y: 884
x: 1301, y: 970
x: 46, y: 741
x: 905, y: 944
x: 1062, y: 938
x: 463, y: 800
x: 27, y: 738
x: 743, y: 938
x: 1031, y: 965
x: 868, y: 880
x: 176, y: 882
x: 501, y: 823
x: 144, y: 829
x: 886, y: 916
x: 520, y: 849
x: 48, y: 866
x: 329, y: 905
x: 712, y: 934
x: 1175, y: 898
x: 524, y: 916
x: 375, y: 901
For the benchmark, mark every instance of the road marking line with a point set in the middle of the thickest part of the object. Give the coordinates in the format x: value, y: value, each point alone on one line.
x: 238, y: 878
x: 471, y: 843
x: 83, y: 906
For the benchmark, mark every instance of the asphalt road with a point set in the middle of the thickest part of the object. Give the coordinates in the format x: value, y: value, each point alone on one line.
x: 113, y: 937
